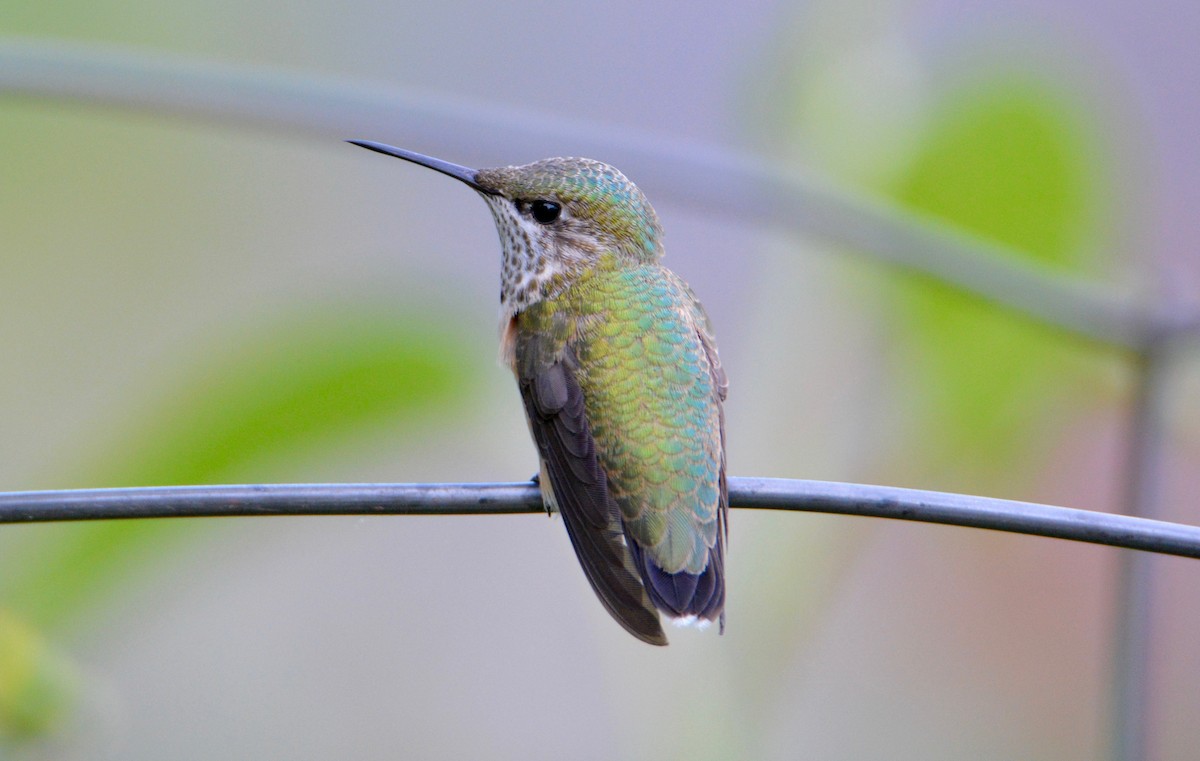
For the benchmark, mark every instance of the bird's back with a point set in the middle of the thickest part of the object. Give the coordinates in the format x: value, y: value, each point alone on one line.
x: 652, y: 387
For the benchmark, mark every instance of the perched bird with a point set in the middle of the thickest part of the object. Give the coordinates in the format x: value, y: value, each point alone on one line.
x: 618, y: 370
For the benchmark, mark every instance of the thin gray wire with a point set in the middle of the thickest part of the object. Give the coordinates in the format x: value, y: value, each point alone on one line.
x: 506, y: 498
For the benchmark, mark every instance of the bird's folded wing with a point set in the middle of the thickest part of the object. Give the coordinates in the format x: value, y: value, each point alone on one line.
x: 555, y: 406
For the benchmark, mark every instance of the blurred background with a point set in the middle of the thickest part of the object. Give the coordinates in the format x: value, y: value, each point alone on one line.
x: 189, y: 303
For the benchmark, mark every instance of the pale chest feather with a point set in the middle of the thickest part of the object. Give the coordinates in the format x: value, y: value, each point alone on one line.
x: 533, y: 264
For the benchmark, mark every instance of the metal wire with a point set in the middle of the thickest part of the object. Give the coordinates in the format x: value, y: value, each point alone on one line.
x: 506, y: 498
x: 1132, y: 696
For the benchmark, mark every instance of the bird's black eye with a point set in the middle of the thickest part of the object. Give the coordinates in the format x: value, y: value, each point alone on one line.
x: 545, y: 212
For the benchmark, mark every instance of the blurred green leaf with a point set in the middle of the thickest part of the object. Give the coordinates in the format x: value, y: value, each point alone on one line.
x: 1011, y: 160
x: 297, y: 386
x: 37, y: 685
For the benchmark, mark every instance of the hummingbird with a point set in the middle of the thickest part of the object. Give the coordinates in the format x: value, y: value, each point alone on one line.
x: 622, y: 386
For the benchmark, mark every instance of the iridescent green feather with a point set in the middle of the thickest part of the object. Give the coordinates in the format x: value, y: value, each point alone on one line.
x: 652, y: 402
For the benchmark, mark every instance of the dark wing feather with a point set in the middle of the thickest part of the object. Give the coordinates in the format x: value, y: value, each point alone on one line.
x: 685, y: 594
x: 554, y: 405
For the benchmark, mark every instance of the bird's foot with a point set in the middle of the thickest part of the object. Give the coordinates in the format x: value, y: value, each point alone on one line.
x: 551, y: 508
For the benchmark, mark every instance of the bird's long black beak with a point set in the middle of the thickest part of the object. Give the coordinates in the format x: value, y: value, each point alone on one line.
x: 465, y: 174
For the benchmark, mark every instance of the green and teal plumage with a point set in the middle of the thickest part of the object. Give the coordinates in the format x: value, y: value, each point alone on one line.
x: 622, y: 385
x: 587, y: 294
x: 649, y: 386
x: 649, y: 391
x: 639, y: 348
